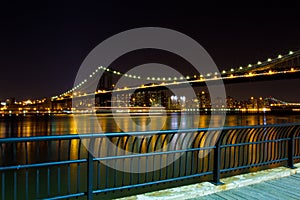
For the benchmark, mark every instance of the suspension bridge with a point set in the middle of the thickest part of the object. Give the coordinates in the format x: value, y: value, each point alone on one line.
x: 284, y: 66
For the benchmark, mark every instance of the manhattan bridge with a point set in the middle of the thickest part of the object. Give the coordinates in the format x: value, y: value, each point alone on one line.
x: 155, y: 92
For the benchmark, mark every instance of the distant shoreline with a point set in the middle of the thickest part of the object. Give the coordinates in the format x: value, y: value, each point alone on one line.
x: 168, y: 112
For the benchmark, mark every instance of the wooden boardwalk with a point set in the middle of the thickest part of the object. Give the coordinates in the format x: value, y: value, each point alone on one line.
x: 282, y: 188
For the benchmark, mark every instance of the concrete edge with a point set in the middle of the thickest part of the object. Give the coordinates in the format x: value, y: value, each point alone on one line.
x: 206, y: 188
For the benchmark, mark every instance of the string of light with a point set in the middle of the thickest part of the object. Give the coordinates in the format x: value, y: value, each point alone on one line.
x: 166, y: 79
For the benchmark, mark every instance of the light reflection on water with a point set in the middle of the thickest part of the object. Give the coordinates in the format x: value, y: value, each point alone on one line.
x: 66, y: 124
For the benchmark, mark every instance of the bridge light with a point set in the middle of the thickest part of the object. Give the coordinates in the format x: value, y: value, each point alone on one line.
x: 163, y: 78
x: 208, y: 74
x: 91, y: 76
x: 223, y: 72
x: 259, y: 63
x: 139, y: 77
x: 129, y: 75
x: 114, y: 72
x: 181, y: 78
x: 195, y: 76
x: 93, y: 73
x: 158, y: 78
x: 279, y: 56
x: 232, y: 70
x: 241, y: 67
x: 216, y: 73
x: 270, y: 72
x: 118, y: 73
x: 292, y: 69
x: 187, y: 77
x: 249, y: 65
x: 134, y: 76
x: 291, y: 52
x: 269, y: 60
x: 169, y: 78
x: 153, y: 78
x: 175, y: 78
x: 148, y: 78
x: 107, y: 69
x: 126, y: 75
x: 96, y: 70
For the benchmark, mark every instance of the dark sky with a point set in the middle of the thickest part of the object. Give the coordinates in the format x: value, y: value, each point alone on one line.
x: 43, y: 44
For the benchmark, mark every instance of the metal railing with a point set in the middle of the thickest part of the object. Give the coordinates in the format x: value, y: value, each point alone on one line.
x: 59, y: 166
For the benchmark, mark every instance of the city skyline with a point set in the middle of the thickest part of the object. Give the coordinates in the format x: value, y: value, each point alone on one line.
x: 158, y: 100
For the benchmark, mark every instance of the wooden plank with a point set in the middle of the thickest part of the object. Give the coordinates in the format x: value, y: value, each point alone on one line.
x: 248, y: 193
x: 209, y: 197
x: 286, y: 183
x: 229, y: 195
x: 274, y: 191
x: 284, y: 189
x: 261, y: 194
x: 296, y: 175
x: 236, y: 193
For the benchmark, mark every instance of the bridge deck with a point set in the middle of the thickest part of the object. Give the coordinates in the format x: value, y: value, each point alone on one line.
x: 283, y: 188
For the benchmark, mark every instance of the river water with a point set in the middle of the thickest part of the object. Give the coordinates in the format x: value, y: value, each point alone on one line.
x: 31, y: 125
x: 52, y: 181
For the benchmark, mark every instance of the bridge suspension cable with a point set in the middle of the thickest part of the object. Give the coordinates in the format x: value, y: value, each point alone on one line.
x: 224, y: 73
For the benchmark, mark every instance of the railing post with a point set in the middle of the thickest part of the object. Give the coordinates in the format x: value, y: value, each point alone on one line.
x: 291, y: 150
x: 90, y: 170
x: 217, y: 162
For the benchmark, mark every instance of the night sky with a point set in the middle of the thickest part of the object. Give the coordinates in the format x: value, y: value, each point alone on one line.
x: 43, y: 44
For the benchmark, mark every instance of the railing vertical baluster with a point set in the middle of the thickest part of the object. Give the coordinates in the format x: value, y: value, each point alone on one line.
x: 69, y: 179
x: 291, y: 150
x: 3, y: 185
x: 48, y: 181
x: 48, y: 168
x: 78, y: 167
x: 68, y: 168
x: 15, y: 185
x: 90, y: 170
x: 217, y: 162
x: 26, y: 172
x: 58, y: 167
x: 58, y: 180
x: 15, y: 172
x: 98, y: 175
x: 37, y: 183
x: 26, y: 184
